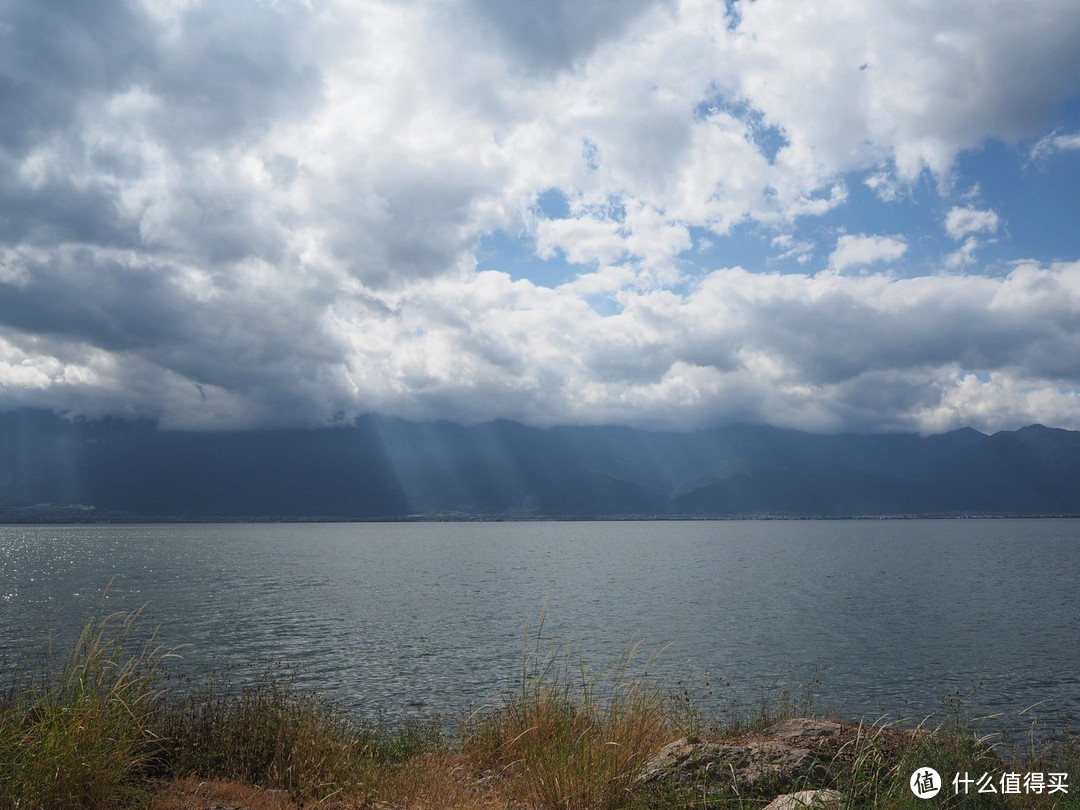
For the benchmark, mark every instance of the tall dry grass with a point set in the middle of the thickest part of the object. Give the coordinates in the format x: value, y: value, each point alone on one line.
x: 86, y: 731
x: 268, y: 732
x: 74, y: 735
x: 568, y: 738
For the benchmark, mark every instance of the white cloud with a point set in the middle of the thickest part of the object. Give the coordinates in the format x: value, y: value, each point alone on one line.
x: 582, y: 240
x: 1067, y: 141
x: 800, y: 250
x: 820, y: 351
x: 1055, y: 143
x: 860, y: 250
x: 852, y: 83
x: 966, y: 222
x: 281, y: 203
x: 1000, y: 400
x: 964, y: 256
x: 884, y: 185
x: 960, y: 222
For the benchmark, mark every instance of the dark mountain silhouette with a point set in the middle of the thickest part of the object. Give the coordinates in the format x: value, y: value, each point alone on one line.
x: 55, y: 469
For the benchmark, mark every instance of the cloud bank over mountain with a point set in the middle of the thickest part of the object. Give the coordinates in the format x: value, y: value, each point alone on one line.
x: 665, y: 214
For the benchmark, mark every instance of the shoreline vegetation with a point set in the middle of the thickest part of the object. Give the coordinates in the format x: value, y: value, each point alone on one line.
x: 107, y: 725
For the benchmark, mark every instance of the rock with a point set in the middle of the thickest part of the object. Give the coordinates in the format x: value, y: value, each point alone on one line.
x: 687, y: 755
x: 808, y: 800
x: 803, y: 730
x: 758, y: 760
x: 781, y: 763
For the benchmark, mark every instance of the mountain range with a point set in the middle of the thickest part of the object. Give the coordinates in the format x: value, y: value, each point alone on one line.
x: 61, y: 470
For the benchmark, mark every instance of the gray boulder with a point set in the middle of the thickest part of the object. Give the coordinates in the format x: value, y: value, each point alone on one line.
x: 808, y: 800
x: 756, y: 761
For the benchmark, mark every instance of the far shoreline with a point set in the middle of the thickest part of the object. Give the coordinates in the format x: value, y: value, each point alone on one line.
x: 68, y: 516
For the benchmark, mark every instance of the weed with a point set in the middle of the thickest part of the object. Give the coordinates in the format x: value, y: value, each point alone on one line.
x: 75, y: 735
x: 268, y: 732
x: 569, y: 738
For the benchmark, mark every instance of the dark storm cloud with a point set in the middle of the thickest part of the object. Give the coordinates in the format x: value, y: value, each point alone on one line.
x: 57, y: 58
x: 101, y: 301
x: 69, y: 147
x: 57, y: 209
x: 412, y: 228
x: 166, y: 324
x: 831, y: 330
x: 58, y: 61
x: 553, y: 34
x: 230, y: 70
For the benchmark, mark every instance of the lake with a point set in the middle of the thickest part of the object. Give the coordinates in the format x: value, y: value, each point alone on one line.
x: 875, y: 618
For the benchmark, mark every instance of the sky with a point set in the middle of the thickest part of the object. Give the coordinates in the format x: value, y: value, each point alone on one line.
x: 858, y: 215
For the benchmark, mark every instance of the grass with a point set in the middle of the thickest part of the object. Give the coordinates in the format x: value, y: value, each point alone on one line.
x: 267, y: 732
x: 570, y: 739
x: 877, y: 777
x: 75, y: 734
x: 105, y: 726
x: 94, y: 729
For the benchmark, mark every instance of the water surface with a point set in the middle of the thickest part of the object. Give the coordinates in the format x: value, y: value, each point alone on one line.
x: 876, y: 617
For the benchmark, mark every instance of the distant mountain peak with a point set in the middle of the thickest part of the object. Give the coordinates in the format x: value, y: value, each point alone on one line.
x: 388, y: 468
